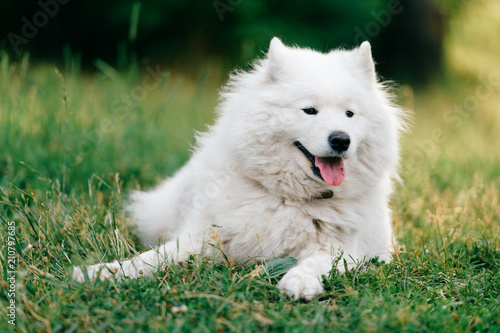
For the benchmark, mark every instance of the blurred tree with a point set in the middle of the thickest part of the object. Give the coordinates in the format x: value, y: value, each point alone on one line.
x: 412, y: 45
x: 406, y: 35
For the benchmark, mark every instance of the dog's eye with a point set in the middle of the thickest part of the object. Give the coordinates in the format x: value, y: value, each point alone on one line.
x: 310, y: 110
x: 349, y: 113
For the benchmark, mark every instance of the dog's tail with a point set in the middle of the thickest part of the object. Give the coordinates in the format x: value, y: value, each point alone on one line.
x: 152, y: 215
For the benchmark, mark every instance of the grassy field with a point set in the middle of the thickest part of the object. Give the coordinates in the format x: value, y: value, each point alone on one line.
x: 73, y: 145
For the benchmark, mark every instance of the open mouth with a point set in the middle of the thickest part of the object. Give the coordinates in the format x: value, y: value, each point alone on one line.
x: 330, y: 169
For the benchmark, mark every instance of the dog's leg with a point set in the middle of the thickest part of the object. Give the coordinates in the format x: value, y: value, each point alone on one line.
x: 145, y: 264
x: 305, y: 280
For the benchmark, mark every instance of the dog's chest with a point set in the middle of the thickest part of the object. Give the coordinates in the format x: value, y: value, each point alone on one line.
x: 277, y: 228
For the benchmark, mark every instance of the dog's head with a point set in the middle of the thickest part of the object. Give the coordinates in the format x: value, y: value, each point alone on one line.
x: 303, y: 121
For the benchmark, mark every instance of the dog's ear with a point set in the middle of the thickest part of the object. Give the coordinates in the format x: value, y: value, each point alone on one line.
x: 365, y: 63
x: 275, y: 57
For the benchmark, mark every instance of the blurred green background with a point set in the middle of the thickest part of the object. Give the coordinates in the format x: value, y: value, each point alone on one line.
x: 407, y: 36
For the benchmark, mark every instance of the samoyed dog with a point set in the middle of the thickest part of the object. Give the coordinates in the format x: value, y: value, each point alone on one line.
x: 299, y: 163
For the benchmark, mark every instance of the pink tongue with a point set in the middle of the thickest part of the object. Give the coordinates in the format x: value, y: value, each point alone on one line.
x: 332, y: 169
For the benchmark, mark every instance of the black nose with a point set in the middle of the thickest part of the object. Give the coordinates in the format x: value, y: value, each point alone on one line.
x: 339, y: 141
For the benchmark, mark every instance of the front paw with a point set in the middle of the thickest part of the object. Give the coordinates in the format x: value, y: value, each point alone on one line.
x: 298, y: 283
x: 94, y: 272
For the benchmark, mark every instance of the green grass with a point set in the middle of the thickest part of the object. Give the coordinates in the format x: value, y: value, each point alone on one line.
x: 69, y: 155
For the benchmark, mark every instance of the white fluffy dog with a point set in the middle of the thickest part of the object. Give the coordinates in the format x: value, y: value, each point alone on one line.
x: 299, y: 163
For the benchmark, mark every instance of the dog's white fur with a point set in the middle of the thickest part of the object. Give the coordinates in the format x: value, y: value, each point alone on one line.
x: 250, y: 189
